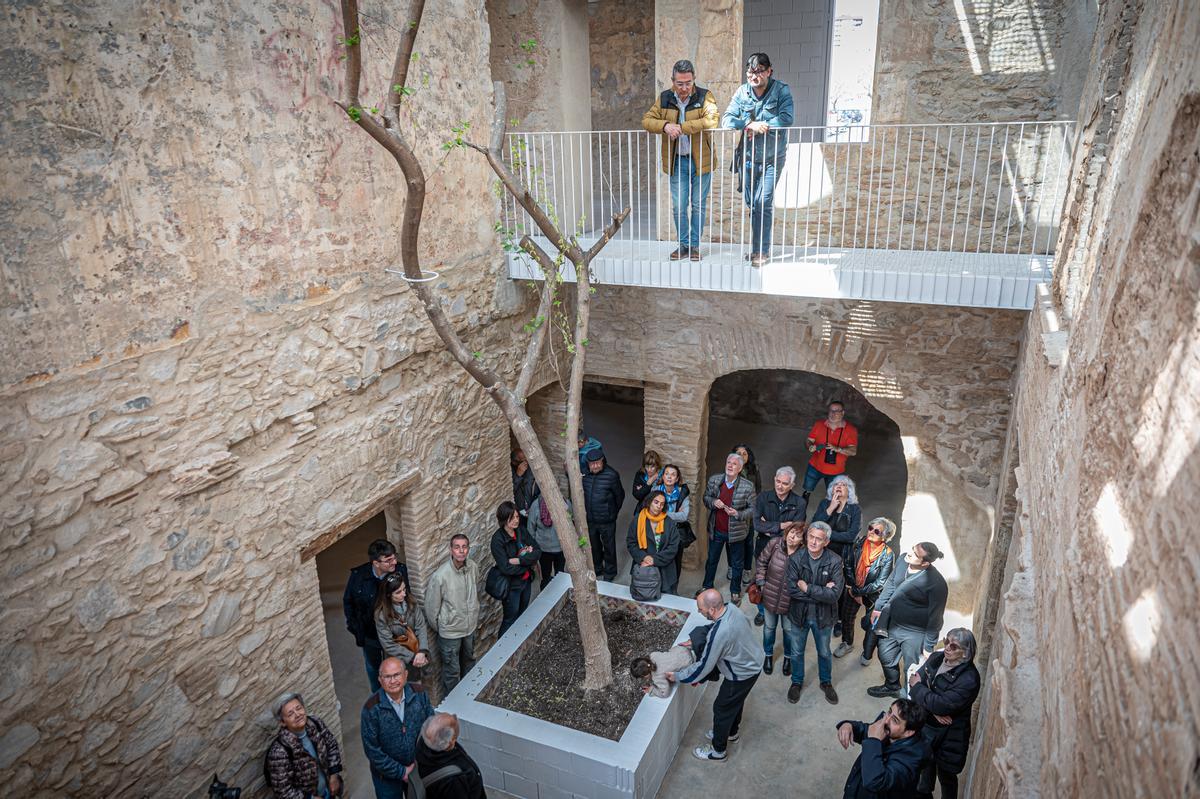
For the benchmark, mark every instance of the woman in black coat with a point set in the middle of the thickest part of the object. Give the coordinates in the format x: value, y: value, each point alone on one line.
x: 653, y: 540
x: 946, y: 686
x: 516, y: 555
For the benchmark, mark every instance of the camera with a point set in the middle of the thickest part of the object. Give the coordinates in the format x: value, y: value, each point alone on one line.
x: 830, y: 455
x: 219, y: 790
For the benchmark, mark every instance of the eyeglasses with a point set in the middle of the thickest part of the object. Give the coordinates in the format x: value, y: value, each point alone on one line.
x: 837, y: 412
x: 389, y: 677
x: 953, y: 646
x: 758, y: 71
x: 684, y: 84
x: 875, y: 530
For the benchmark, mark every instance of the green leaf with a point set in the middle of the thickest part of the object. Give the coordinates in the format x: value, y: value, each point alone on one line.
x: 583, y: 542
x: 354, y: 112
x: 477, y: 355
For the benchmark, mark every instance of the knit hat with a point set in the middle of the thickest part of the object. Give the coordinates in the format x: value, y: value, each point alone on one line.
x: 595, y: 455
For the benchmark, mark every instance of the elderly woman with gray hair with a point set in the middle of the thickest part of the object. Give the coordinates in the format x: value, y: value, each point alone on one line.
x: 867, y: 571
x: 840, y: 510
x: 946, y: 685
x: 304, y: 760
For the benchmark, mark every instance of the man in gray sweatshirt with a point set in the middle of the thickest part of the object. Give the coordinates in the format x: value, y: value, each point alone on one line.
x: 734, y: 649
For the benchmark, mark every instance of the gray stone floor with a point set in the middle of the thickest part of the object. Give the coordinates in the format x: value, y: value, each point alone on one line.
x: 783, y: 746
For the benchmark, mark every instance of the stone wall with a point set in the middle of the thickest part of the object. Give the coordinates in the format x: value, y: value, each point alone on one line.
x: 943, y: 375
x: 207, y: 373
x: 1109, y: 444
x: 621, y: 41
x: 951, y: 61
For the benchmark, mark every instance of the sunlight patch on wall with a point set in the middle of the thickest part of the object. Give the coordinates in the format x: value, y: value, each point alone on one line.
x: 878, y: 386
x: 1110, y: 524
x: 923, y: 522
x: 1169, y: 427
x: 1141, y: 623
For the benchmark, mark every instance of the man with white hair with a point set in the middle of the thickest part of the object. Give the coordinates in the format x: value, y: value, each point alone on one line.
x: 736, y: 652
x: 729, y: 498
x: 443, y: 766
x: 815, y: 581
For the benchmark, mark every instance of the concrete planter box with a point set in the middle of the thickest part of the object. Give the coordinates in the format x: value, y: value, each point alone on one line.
x: 535, y: 759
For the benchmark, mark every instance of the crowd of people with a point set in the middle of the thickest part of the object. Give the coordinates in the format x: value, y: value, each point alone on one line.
x: 810, y: 574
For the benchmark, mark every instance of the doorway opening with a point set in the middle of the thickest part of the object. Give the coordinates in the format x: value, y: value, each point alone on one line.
x: 773, y: 411
x: 335, y: 553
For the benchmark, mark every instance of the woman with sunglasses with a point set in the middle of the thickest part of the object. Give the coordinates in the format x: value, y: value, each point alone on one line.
x: 400, y: 623
x: 867, y: 570
x: 946, y: 685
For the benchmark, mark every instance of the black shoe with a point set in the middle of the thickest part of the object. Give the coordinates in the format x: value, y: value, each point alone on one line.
x: 681, y: 254
x: 787, y: 667
x: 830, y: 694
x: 769, y: 665
x: 794, y: 692
x: 759, y: 620
x: 837, y: 630
x: 880, y: 691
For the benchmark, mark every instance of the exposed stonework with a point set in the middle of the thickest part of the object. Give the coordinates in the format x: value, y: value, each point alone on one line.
x: 212, y: 250
x: 621, y: 41
x: 942, y: 374
x: 948, y: 61
x: 1110, y: 465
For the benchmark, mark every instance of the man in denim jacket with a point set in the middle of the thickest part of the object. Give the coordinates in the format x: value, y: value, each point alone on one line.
x: 759, y: 107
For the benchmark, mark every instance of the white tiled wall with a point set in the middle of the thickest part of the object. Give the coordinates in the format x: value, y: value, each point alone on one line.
x: 796, y: 35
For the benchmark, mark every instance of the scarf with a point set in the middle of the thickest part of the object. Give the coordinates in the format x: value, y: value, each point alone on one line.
x: 672, y: 495
x: 544, y: 514
x: 870, y: 553
x: 644, y: 515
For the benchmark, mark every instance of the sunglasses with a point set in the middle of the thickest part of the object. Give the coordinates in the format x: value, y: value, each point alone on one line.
x: 758, y: 71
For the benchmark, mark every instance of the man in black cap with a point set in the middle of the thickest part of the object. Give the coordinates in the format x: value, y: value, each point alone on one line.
x: 602, y: 498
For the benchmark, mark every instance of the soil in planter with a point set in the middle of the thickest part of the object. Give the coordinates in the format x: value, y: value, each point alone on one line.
x: 547, y: 682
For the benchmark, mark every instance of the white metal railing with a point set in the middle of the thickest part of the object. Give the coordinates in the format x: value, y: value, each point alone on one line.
x: 993, y: 188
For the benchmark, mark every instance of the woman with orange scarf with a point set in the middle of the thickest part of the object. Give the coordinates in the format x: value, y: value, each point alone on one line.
x: 653, y: 540
x: 867, y: 570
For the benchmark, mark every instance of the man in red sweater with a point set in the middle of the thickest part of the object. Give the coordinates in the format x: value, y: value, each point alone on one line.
x: 831, y: 441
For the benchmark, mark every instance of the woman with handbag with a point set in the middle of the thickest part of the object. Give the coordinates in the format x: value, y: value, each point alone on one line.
x: 400, y: 623
x: 653, y: 540
x: 515, y: 555
x: 679, y: 510
x: 770, y: 581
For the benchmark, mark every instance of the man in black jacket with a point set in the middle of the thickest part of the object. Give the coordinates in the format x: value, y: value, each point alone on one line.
x: 603, y: 495
x: 358, y: 602
x: 815, y: 580
x: 445, y: 769
x: 908, y: 616
x: 893, y: 752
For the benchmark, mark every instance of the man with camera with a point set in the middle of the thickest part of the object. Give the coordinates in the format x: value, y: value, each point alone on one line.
x: 831, y: 441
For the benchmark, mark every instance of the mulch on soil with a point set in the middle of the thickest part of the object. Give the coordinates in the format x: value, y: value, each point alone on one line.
x: 546, y: 684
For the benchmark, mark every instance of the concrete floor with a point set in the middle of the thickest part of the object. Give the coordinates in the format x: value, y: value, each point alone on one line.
x: 781, y: 744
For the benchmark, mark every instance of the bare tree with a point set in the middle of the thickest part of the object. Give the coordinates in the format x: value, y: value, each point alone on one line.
x: 383, y: 125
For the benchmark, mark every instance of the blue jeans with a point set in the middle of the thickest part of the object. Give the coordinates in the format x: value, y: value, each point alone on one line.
x: 689, y: 192
x: 387, y: 788
x: 372, y: 658
x: 769, y: 626
x: 733, y: 556
x: 822, y: 636
x: 758, y: 187
x: 812, y: 477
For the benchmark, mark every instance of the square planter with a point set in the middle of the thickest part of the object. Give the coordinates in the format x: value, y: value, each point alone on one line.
x: 535, y: 759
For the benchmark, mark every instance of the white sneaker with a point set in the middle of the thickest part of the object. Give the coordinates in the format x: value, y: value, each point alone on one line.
x: 842, y: 650
x: 863, y: 660
x: 706, y: 752
x: 731, y: 739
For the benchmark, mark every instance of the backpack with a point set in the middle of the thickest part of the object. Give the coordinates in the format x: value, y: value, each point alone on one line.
x: 417, y: 784
x: 646, y: 584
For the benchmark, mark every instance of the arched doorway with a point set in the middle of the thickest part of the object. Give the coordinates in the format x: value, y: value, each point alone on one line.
x: 772, y: 410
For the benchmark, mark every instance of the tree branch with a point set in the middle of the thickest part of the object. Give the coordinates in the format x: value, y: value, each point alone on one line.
x: 607, y: 236
x: 353, y: 52
x: 404, y: 51
x: 533, y: 350
x: 499, y: 117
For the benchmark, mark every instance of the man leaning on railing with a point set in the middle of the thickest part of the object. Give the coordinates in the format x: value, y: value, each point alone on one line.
x: 760, y: 104
x: 683, y: 115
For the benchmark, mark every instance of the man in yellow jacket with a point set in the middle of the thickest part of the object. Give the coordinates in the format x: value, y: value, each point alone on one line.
x: 683, y: 115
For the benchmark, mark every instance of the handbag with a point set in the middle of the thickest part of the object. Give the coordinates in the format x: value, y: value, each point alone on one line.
x: 496, y: 584
x: 754, y: 592
x: 408, y: 639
